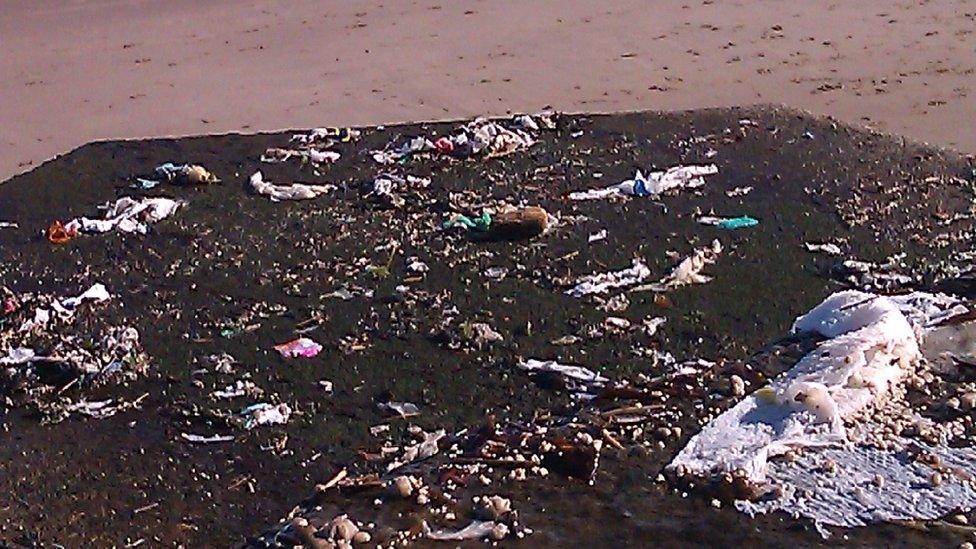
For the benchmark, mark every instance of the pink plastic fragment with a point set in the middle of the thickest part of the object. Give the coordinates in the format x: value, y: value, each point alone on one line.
x: 302, y: 346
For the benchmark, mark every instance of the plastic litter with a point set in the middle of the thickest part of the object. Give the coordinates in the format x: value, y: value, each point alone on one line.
x: 653, y: 184
x: 264, y: 414
x: 602, y: 283
x: 835, y: 404
x: 729, y: 223
x: 476, y: 530
x: 126, y: 215
x: 301, y: 347
x: 237, y: 389
x: 422, y: 450
x: 402, y: 409
x: 188, y: 174
x: 827, y: 248
x: 8, y: 225
x: 597, y: 236
x: 58, y: 234
x: 480, y: 137
x: 511, y: 224
x: 738, y: 191
x: 688, y: 271
x: 295, y: 191
x: 480, y: 224
x: 201, y: 439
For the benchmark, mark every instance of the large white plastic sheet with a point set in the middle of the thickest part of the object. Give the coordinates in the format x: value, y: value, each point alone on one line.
x: 872, y: 342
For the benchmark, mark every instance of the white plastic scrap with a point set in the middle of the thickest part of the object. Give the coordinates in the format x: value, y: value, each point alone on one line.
x: 127, y: 215
x: 577, y: 373
x: 476, y: 530
x: 420, y: 451
x: 601, y: 283
x: 201, y: 439
x: 653, y: 184
x: 264, y: 414
x: 237, y: 389
x: 738, y: 191
x: 65, y: 307
x: 689, y: 271
x: 828, y: 248
x: 295, y: 191
x: 872, y: 341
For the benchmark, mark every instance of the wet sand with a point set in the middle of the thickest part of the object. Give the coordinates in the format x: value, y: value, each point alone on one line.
x: 81, y: 70
x: 233, y: 258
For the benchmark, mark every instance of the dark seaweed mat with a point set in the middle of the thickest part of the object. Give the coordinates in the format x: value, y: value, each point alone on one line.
x: 79, y: 482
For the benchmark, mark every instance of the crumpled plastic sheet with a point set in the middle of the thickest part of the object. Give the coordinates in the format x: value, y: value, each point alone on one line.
x: 264, y: 414
x: 480, y: 137
x: 475, y: 530
x: 688, y: 271
x: 295, y: 191
x: 65, y: 307
x: 871, y: 340
x: 653, y: 184
x: 601, y: 283
x: 127, y: 215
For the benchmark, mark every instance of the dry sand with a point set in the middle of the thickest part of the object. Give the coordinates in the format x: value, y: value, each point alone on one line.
x: 79, y: 70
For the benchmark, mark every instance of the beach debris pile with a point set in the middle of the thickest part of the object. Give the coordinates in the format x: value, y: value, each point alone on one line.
x: 508, y: 223
x: 294, y: 191
x: 437, y: 474
x: 126, y: 215
x: 481, y: 137
x: 837, y: 437
x: 653, y: 184
x: 484, y: 315
x: 314, y: 147
x: 178, y: 174
x: 56, y: 350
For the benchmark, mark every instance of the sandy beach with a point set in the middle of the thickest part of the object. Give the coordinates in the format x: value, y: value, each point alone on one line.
x: 81, y: 70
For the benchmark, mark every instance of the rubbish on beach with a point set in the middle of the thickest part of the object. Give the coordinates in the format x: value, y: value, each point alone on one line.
x: 827, y: 248
x: 276, y: 154
x: 844, y: 404
x: 388, y: 188
x: 59, y: 234
x: 597, y: 236
x: 889, y: 276
x: 325, y: 137
x: 601, y: 283
x: 238, y: 389
x: 729, y: 223
x: 653, y: 184
x: 738, y: 191
x: 295, y: 191
x: 264, y: 414
x: 476, y: 530
x: 518, y: 223
x: 480, y: 224
x: 577, y: 373
x: 8, y: 225
x: 509, y: 224
x: 64, y: 308
x: 427, y: 447
x: 480, y: 137
x: 201, y: 439
x: 688, y: 271
x: 126, y: 215
x: 189, y: 174
x: 581, y: 382
x: 402, y: 409
x: 301, y: 347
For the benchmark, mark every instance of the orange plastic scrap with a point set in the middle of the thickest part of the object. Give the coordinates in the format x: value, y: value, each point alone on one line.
x: 58, y: 234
